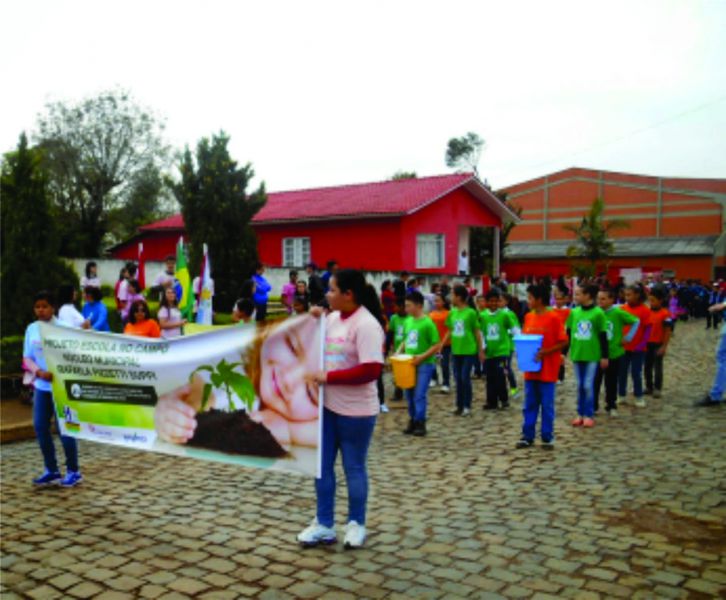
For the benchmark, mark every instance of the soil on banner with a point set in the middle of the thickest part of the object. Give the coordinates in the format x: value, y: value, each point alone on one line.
x: 235, y: 433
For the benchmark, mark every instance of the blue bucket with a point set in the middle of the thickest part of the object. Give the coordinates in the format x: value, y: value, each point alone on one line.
x: 527, y: 346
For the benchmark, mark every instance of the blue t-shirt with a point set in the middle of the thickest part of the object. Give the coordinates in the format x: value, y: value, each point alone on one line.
x: 262, y: 289
x: 97, y: 314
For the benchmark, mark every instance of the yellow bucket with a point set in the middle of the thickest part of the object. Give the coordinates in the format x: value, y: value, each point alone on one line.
x: 404, y: 373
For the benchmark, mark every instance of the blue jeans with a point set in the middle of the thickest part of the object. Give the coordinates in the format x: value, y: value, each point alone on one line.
x: 352, y: 436
x: 719, y: 382
x: 631, y: 362
x: 43, y: 411
x: 538, y: 394
x: 417, y: 396
x: 463, y: 364
x: 585, y: 373
x: 445, y: 360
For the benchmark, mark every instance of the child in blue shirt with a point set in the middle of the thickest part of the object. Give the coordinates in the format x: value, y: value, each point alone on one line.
x: 94, y: 310
x: 43, y: 408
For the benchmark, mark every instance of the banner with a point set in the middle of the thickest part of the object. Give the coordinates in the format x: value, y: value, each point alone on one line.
x: 235, y: 394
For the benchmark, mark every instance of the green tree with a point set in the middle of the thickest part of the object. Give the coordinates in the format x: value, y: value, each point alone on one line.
x: 95, y: 150
x: 592, y: 238
x: 481, y: 240
x: 29, y: 244
x: 464, y: 152
x: 217, y: 210
x: 399, y: 175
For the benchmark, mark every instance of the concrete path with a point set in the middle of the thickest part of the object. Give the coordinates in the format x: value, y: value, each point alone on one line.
x: 635, y: 508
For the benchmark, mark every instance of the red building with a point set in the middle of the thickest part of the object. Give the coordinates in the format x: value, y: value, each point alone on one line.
x: 418, y: 225
x: 676, y: 224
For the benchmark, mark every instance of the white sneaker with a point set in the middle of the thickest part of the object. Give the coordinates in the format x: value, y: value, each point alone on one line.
x: 612, y: 413
x: 315, y: 534
x: 384, y: 408
x: 445, y: 389
x: 466, y: 412
x: 432, y: 384
x: 640, y: 403
x: 355, y: 535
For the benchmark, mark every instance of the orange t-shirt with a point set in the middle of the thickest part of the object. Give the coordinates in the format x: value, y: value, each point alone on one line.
x: 562, y: 313
x: 639, y: 341
x: 439, y: 319
x: 657, y: 320
x: 145, y: 328
x: 549, y: 326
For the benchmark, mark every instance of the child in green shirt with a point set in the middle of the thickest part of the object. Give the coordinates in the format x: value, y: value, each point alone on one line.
x: 421, y: 340
x: 586, y: 328
x: 504, y: 302
x: 395, y: 335
x: 495, y: 324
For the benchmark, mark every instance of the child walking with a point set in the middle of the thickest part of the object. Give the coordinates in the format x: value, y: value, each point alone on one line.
x: 586, y: 329
x: 438, y: 316
x: 504, y: 303
x: 421, y: 342
x: 634, y: 356
x: 396, y: 335
x: 562, y: 310
x: 495, y: 324
x: 660, y: 336
x: 463, y: 331
x: 539, y: 387
x: 43, y: 408
x: 617, y: 320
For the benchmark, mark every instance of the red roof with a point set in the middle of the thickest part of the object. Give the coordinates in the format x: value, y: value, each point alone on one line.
x: 385, y: 198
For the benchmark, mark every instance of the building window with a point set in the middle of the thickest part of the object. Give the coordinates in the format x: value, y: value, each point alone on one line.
x: 430, y: 251
x: 295, y: 252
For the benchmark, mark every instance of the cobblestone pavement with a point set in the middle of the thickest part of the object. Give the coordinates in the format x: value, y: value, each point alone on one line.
x: 635, y: 508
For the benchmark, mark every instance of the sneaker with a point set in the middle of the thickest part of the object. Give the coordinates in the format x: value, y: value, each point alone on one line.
x: 623, y: 401
x: 445, y: 389
x: 72, y: 479
x: 524, y: 443
x: 587, y: 422
x: 612, y: 412
x: 466, y: 412
x: 657, y: 394
x: 457, y: 412
x: 355, y: 535
x: 316, y: 534
x: 513, y: 392
x: 432, y: 384
x: 384, y: 408
x: 419, y: 428
x: 707, y: 401
x: 411, y: 426
x: 648, y: 392
x: 47, y: 478
x: 505, y: 405
x: 548, y: 444
x: 640, y: 403
x: 489, y: 407
x: 577, y: 422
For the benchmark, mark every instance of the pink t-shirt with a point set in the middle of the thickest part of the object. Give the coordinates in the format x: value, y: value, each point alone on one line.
x: 349, y: 343
x: 288, y: 292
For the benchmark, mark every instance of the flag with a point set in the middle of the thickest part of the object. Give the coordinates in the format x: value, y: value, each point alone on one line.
x: 204, y: 311
x: 142, y: 268
x: 186, y: 298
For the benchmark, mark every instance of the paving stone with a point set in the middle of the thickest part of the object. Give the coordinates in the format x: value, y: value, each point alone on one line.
x: 187, y: 585
x: 84, y: 590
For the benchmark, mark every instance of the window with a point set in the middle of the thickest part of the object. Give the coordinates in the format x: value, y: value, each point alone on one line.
x: 295, y: 252
x: 430, y: 250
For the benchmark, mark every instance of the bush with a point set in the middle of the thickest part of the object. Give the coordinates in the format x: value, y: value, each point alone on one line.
x: 11, y: 354
x: 107, y: 291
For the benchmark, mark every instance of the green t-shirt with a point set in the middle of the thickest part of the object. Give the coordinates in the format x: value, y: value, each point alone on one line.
x: 495, y: 328
x: 420, y: 335
x: 616, y: 320
x: 513, y: 324
x: 585, y: 327
x: 463, y: 323
x: 397, y: 325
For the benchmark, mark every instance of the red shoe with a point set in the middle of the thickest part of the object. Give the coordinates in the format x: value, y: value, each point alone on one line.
x: 577, y: 422
x: 588, y: 422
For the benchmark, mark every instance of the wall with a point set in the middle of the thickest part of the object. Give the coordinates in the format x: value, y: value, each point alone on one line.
x: 157, y: 245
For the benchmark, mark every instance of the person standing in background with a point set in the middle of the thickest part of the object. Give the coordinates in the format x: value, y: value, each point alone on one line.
x: 91, y: 278
x: 262, y: 293
x: 464, y: 263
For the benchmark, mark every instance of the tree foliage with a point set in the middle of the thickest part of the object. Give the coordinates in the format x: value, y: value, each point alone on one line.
x: 464, y: 152
x: 29, y: 242
x: 217, y: 210
x: 481, y: 240
x: 95, y: 151
x: 399, y: 175
x: 592, y: 237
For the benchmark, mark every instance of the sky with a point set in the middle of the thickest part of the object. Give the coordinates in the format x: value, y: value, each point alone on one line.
x: 321, y: 93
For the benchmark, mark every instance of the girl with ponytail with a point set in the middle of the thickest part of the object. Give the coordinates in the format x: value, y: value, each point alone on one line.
x: 354, y: 341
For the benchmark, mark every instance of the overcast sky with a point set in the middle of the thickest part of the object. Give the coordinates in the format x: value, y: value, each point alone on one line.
x: 323, y: 93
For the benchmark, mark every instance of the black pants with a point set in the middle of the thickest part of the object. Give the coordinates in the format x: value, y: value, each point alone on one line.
x: 610, y: 375
x: 713, y: 318
x: 260, y: 312
x: 496, y: 381
x: 653, y: 362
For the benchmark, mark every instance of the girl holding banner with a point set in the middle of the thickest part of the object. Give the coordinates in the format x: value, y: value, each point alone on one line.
x: 354, y: 343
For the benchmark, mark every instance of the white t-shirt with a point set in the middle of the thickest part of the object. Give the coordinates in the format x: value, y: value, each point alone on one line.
x: 90, y: 282
x: 123, y: 291
x: 348, y: 343
x: 70, y: 316
x: 172, y: 315
x: 463, y: 264
x: 163, y: 278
